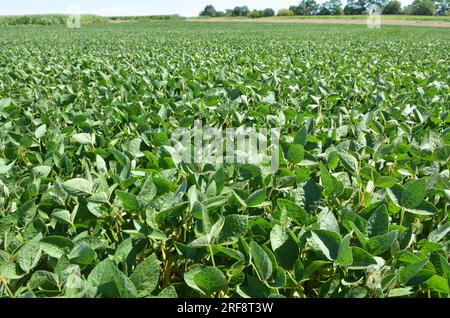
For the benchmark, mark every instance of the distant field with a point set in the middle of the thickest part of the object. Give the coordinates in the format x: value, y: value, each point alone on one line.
x: 94, y: 203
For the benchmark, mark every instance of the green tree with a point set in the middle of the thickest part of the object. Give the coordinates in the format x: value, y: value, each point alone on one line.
x: 269, y: 12
x: 355, y: 7
x: 442, y: 7
x: 208, y: 11
x: 254, y: 14
x: 407, y: 10
x: 332, y: 7
x: 285, y: 13
x: 423, y: 7
x: 393, y: 7
x: 241, y: 11
x: 306, y: 7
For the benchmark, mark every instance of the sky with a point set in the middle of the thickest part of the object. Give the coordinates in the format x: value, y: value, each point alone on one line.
x: 136, y: 7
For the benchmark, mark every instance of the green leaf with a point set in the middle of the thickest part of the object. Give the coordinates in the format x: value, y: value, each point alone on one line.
x: 210, y: 280
x: 41, y: 171
x: 378, y: 222
x: 361, y: 259
x: 78, y: 187
x: 168, y: 292
x: 295, y: 154
x: 4, y: 169
x: 26, y: 213
x: 313, y: 267
x: 62, y: 216
x: 324, y: 242
x: 241, y: 196
x: 413, y: 275
x: 261, y: 261
x: 204, y: 279
x: 400, y: 292
x: 424, y: 208
x: 40, y: 131
x: 83, y: 138
x: 299, y: 270
x: 129, y: 202
x: 56, y: 246
x: 414, y: 193
x: 327, y: 221
x: 100, y: 163
x: 439, y: 233
x: 295, y: 212
x: 395, y: 194
x: 284, y: 247
x: 195, y: 253
x: 345, y: 255
x: 107, y: 281
x: 146, y: 276
x: 327, y: 181
x: 5, y: 102
x: 379, y: 244
x: 301, y: 137
x: 148, y: 191
x: 82, y: 254
x: 256, y: 198
x: 349, y: 162
x: 235, y: 225
x: 438, y: 284
x: 29, y: 254
x: 386, y: 182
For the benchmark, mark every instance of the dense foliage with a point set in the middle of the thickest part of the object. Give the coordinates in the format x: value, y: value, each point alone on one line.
x: 93, y: 205
x: 334, y: 7
x: 48, y: 19
x: 393, y: 7
x: 285, y: 13
x: 423, y: 7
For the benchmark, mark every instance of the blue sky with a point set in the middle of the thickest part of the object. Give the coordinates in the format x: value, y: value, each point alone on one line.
x: 136, y: 7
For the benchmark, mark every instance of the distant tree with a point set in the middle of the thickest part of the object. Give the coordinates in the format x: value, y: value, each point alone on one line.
x: 241, y: 11
x: 393, y: 7
x: 306, y: 7
x: 254, y: 14
x: 355, y: 7
x: 338, y: 11
x: 442, y: 7
x: 244, y: 10
x: 381, y: 3
x: 208, y: 11
x: 294, y: 9
x: 229, y: 12
x: 220, y: 14
x: 423, y: 7
x: 269, y: 12
x: 332, y: 7
x: 407, y: 10
x: 285, y: 13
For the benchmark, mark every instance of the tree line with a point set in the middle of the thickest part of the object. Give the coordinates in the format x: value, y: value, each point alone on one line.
x: 335, y: 7
x: 48, y: 19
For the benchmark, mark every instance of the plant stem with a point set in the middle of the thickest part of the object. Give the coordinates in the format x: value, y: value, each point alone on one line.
x: 212, y: 255
x: 3, y: 282
x: 402, y: 216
